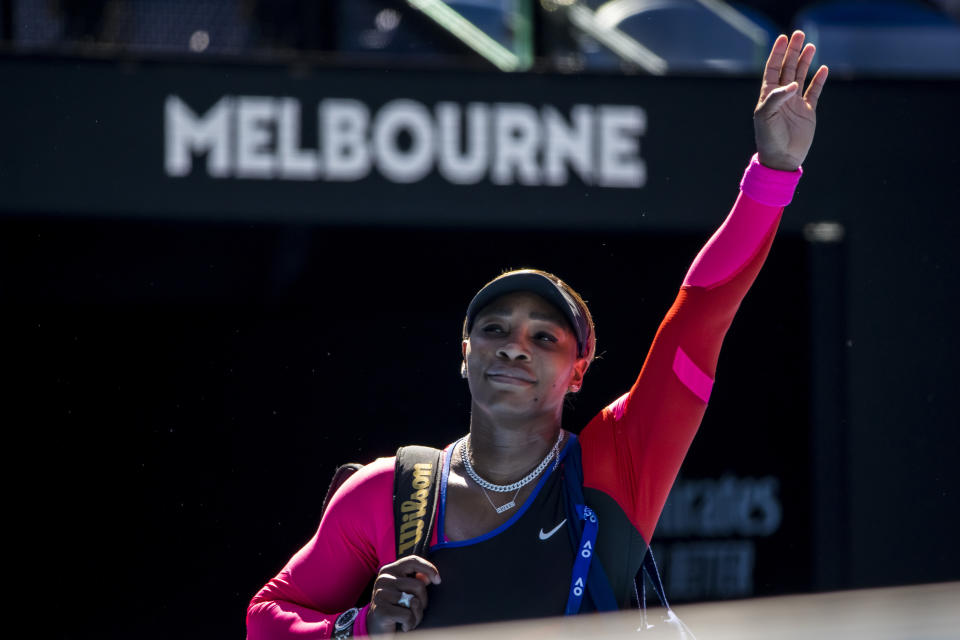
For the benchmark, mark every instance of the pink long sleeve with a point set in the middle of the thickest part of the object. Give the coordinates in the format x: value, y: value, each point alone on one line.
x: 633, y: 449
x: 327, y: 575
x: 323, y: 579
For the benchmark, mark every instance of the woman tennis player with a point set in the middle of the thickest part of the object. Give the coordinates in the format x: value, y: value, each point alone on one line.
x: 531, y: 520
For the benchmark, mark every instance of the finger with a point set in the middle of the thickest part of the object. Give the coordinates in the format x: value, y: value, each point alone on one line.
x: 396, y: 614
x: 812, y: 96
x: 386, y: 601
x: 777, y: 97
x: 396, y: 586
x: 415, y: 605
x: 424, y: 578
x: 806, y: 57
x: 412, y: 565
x: 771, y: 72
x: 789, y: 70
x: 414, y: 586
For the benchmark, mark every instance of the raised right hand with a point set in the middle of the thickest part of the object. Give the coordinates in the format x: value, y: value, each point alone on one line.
x: 410, y: 574
x: 785, y: 119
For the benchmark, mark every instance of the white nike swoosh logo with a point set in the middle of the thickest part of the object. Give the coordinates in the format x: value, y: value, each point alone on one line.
x: 544, y: 536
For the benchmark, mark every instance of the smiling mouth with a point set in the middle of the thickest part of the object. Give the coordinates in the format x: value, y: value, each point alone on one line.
x: 509, y: 378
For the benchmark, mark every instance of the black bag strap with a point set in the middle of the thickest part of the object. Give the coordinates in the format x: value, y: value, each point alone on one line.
x: 416, y: 485
x: 340, y: 476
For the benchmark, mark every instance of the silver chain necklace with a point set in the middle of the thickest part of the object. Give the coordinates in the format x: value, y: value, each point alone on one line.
x: 515, y: 486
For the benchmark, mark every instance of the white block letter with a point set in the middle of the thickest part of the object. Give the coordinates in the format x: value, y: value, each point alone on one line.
x: 517, y: 134
x: 295, y: 163
x: 568, y: 144
x: 403, y: 165
x: 467, y: 167
x: 185, y: 133
x: 343, y: 127
x: 620, y: 129
x: 255, y: 142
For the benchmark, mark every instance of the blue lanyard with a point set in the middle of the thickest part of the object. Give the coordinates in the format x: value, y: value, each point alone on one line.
x: 581, y: 566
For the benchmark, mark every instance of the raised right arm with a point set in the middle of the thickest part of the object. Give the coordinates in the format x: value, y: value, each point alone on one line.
x: 328, y: 574
x: 633, y: 449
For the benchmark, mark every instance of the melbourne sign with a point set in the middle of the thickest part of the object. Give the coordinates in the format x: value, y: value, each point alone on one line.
x: 361, y: 146
x: 405, y: 140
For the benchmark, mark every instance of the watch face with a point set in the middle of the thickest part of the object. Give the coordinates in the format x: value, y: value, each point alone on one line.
x: 346, y: 619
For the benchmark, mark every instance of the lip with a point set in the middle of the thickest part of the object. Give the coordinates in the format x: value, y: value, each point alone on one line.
x: 511, y: 375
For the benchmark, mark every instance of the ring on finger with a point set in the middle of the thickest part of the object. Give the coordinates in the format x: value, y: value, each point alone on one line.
x: 405, y: 599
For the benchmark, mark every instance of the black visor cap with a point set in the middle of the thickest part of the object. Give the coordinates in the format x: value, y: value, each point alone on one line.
x: 544, y: 287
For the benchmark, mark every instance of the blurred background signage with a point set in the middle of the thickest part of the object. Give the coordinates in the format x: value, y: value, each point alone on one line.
x: 404, y: 140
x: 707, y: 532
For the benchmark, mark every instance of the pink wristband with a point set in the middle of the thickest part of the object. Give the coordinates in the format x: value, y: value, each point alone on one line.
x: 360, y: 626
x: 769, y: 186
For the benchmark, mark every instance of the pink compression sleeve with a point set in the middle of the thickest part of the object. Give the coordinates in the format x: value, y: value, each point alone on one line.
x: 767, y: 191
x: 325, y: 577
x: 354, y: 541
x: 633, y: 449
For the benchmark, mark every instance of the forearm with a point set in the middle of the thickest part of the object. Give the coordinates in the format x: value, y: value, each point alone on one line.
x: 284, y: 620
x: 722, y: 273
x: 764, y: 193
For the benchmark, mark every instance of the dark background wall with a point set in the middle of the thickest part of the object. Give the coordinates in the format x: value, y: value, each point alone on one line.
x: 201, y: 374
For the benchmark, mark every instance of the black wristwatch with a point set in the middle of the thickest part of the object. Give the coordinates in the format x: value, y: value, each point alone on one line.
x: 343, y: 627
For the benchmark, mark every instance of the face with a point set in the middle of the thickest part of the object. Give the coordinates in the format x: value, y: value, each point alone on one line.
x: 521, y: 357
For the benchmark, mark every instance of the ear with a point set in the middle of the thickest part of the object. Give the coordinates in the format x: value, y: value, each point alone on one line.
x: 463, y: 352
x: 579, y: 371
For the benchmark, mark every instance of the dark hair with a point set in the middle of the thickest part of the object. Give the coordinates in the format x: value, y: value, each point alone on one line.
x: 590, y: 348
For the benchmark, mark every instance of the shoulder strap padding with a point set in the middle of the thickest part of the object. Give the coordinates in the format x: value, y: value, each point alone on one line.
x: 416, y: 485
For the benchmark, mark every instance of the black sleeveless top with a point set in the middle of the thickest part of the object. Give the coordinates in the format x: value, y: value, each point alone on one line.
x: 521, y: 569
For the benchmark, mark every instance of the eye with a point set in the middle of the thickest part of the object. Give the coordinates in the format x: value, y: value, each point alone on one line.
x: 546, y: 337
x: 494, y: 329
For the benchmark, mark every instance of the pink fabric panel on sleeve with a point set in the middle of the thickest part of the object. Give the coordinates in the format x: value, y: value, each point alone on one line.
x: 692, y: 376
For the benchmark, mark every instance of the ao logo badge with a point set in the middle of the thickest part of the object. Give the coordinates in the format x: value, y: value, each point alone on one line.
x: 578, y: 587
x: 586, y: 551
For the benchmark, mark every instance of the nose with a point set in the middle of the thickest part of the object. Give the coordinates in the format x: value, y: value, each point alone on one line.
x: 513, y: 351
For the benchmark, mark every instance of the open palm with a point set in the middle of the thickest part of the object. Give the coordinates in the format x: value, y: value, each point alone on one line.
x: 785, y: 120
